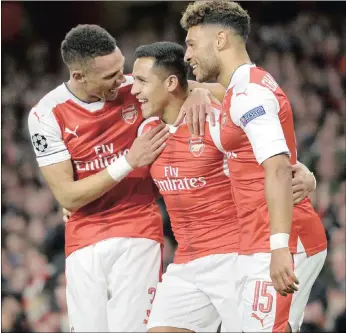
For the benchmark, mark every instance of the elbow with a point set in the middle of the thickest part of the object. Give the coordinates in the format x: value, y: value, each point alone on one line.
x: 284, y: 171
x: 279, y: 167
x: 70, y: 205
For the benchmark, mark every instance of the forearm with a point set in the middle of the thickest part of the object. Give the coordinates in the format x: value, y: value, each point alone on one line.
x: 216, y: 90
x: 76, y: 194
x: 278, y: 190
x: 72, y: 194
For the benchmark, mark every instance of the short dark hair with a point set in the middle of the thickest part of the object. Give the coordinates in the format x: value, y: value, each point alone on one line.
x: 168, y: 56
x: 223, y: 12
x: 85, y: 42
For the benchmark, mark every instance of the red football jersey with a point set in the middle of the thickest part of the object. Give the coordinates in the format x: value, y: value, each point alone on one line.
x: 257, y: 123
x: 92, y: 135
x: 192, y: 176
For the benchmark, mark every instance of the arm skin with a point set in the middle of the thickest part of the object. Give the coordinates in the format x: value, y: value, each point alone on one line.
x: 278, y: 191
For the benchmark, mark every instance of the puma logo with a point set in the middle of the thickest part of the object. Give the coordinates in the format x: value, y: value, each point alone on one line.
x: 241, y: 93
x: 254, y: 315
x: 37, y: 116
x: 67, y: 130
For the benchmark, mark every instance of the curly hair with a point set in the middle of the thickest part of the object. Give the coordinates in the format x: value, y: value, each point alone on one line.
x: 223, y: 12
x: 85, y: 42
x: 168, y: 56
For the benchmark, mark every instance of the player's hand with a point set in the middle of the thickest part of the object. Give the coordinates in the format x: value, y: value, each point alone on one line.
x: 146, y: 148
x: 195, y: 109
x: 303, y: 182
x: 66, y: 214
x: 281, y: 272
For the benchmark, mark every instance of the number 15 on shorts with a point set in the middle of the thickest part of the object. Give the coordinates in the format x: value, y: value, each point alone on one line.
x: 263, y: 290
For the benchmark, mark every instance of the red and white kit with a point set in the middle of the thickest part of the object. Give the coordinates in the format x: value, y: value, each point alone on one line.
x: 257, y: 123
x: 198, y: 289
x: 117, y: 238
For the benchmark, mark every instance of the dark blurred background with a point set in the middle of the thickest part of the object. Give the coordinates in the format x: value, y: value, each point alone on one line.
x: 302, y: 44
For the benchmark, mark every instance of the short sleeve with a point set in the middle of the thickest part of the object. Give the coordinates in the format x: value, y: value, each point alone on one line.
x: 46, y: 137
x: 256, y: 111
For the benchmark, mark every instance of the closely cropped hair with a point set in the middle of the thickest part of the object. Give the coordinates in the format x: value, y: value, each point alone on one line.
x: 85, y: 42
x: 168, y: 56
x: 223, y: 12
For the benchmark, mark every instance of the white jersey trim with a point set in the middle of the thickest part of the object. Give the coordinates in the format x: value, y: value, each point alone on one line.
x: 215, y: 131
x: 215, y: 136
x: 145, y: 122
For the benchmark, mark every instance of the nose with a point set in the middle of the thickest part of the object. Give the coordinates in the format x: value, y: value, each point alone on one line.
x: 187, y: 56
x: 121, y: 79
x: 134, y: 89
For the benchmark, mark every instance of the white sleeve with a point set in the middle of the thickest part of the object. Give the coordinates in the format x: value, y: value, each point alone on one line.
x: 46, y: 137
x: 215, y: 136
x: 257, y: 113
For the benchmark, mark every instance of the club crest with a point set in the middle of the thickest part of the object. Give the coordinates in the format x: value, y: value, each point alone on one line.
x: 196, y: 146
x: 129, y: 113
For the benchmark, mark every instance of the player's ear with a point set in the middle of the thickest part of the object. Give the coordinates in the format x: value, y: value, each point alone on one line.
x: 171, y: 83
x: 221, y: 40
x: 78, y: 76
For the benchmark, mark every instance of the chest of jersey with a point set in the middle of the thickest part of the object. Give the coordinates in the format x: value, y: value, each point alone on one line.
x: 233, y: 138
x: 187, y: 163
x: 96, y: 139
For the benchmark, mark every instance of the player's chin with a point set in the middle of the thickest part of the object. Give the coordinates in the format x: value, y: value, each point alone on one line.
x: 111, y: 95
x: 147, y: 110
x: 200, y: 77
x: 146, y: 113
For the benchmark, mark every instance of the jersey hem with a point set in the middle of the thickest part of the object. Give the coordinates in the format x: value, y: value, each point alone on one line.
x: 70, y: 249
x: 309, y: 251
x: 185, y: 260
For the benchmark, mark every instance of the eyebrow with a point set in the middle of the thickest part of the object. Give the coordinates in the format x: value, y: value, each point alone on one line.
x: 114, y: 73
x: 110, y: 74
x: 138, y: 77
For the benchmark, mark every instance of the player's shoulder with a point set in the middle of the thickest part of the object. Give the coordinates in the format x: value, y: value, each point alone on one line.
x: 249, y: 80
x: 148, y: 124
x: 248, y: 92
x: 47, y: 103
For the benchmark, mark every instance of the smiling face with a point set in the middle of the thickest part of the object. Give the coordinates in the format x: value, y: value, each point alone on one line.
x: 103, y: 76
x: 149, y: 87
x: 200, y: 53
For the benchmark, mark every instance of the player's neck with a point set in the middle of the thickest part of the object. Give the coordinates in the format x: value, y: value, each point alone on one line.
x: 76, y: 90
x: 172, y: 109
x: 230, y: 61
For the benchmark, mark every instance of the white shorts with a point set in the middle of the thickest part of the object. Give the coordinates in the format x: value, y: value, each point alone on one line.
x: 111, y: 285
x: 261, y: 308
x: 198, y: 295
